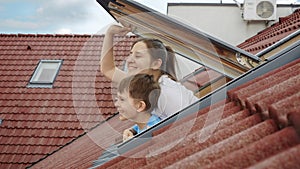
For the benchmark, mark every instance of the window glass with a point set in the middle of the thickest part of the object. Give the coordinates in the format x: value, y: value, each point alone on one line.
x: 185, y: 67
x: 45, y: 73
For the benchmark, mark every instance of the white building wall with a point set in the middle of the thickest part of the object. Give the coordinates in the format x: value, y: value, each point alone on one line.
x: 223, y: 21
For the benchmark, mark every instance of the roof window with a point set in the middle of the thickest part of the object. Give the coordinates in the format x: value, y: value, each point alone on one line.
x: 45, y: 73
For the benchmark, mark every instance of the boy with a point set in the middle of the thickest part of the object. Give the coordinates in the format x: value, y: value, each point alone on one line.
x: 136, y: 98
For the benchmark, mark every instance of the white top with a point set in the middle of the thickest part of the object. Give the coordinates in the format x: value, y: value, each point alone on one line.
x: 173, y: 97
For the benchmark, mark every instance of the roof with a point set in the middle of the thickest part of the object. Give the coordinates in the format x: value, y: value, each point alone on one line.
x: 36, y: 122
x: 273, y: 34
x: 70, y: 125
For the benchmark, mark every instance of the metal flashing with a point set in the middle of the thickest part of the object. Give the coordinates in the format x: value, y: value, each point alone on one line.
x: 280, y: 42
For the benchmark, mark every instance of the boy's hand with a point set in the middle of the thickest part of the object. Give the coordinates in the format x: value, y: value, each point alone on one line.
x: 127, y: 134
x: 122, y: 118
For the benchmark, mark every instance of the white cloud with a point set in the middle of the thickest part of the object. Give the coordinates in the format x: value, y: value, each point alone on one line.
x: 10, y: 23
x: 63, y: 31
x: 57, y: 11
x: 53, y: 16
x: 40, y: 10
x: 83, y: 17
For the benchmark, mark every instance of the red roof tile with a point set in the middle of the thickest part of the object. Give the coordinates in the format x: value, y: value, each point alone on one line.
x: 281, y: 109
x: 200, y: 78
x: 267, y: 37
x: 87, y: 148
x: 262, y: 149
x: 284, y: 160
x: 38, y: 121
x: 216, y: 151
x: 241, y: 140
x: 250, y: 89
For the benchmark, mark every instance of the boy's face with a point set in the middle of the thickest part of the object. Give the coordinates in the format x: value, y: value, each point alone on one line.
x: 126, y: 105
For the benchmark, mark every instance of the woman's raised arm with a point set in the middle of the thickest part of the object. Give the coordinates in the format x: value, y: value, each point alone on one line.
x: 107, y: 63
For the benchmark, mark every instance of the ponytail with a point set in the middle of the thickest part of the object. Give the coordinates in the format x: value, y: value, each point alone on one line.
x: 170, y: 62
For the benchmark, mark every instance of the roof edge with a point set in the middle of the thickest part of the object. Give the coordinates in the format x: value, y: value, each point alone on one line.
x: 279, y: 43
x: 222, y: 4
x: 48, y: 35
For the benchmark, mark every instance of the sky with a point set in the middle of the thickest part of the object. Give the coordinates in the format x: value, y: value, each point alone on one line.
x: 69, y: 16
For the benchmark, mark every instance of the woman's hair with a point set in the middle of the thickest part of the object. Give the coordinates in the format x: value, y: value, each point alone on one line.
x: 157, y: 73
x: 141, y: 87
x: 158, y: 50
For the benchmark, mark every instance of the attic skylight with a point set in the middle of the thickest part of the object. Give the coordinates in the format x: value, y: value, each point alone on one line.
x: 45, y: 73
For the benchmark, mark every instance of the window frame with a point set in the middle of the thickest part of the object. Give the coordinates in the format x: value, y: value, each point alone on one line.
x: 44, y: 84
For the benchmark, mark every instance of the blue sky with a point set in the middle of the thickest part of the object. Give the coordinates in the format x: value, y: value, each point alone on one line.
x: 51, y: 16
x: 68, y: 16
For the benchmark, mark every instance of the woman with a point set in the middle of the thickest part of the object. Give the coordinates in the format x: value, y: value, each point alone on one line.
x: 145, y: 54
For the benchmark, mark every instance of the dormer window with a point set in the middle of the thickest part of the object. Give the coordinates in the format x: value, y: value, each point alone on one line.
x: 45, y: 73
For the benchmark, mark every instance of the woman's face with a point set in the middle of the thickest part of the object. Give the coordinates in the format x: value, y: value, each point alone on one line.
x: 140, y: 59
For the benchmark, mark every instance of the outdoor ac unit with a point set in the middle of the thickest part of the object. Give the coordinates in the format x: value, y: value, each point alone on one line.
x: 259, y: 10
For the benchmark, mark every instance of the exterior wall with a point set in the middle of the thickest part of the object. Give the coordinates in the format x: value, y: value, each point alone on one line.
x: 223, y: 21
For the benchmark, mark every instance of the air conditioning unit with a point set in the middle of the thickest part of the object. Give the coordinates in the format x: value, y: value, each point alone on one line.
x: 259, y: 10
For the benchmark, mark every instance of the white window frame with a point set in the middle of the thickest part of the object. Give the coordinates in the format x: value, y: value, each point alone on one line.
x: 35, y: 82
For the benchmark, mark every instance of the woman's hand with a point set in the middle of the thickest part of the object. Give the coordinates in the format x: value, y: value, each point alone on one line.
x: 116, y: 29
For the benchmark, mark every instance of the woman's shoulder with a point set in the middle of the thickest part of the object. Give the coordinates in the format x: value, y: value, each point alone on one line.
x: 166, y: 81
x: 173, y: 88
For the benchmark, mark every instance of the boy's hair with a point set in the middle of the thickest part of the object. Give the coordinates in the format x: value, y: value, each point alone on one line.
x: 141, y: 87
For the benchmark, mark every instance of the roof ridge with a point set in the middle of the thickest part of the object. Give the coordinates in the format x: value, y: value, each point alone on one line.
x: 48, y: 35
x: 36, y: 128
x: 59, y: 35
x: 35, y: 136
x: 273, y: 33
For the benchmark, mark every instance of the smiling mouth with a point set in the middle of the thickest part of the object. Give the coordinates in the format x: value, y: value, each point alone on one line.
x: 131, y: 67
